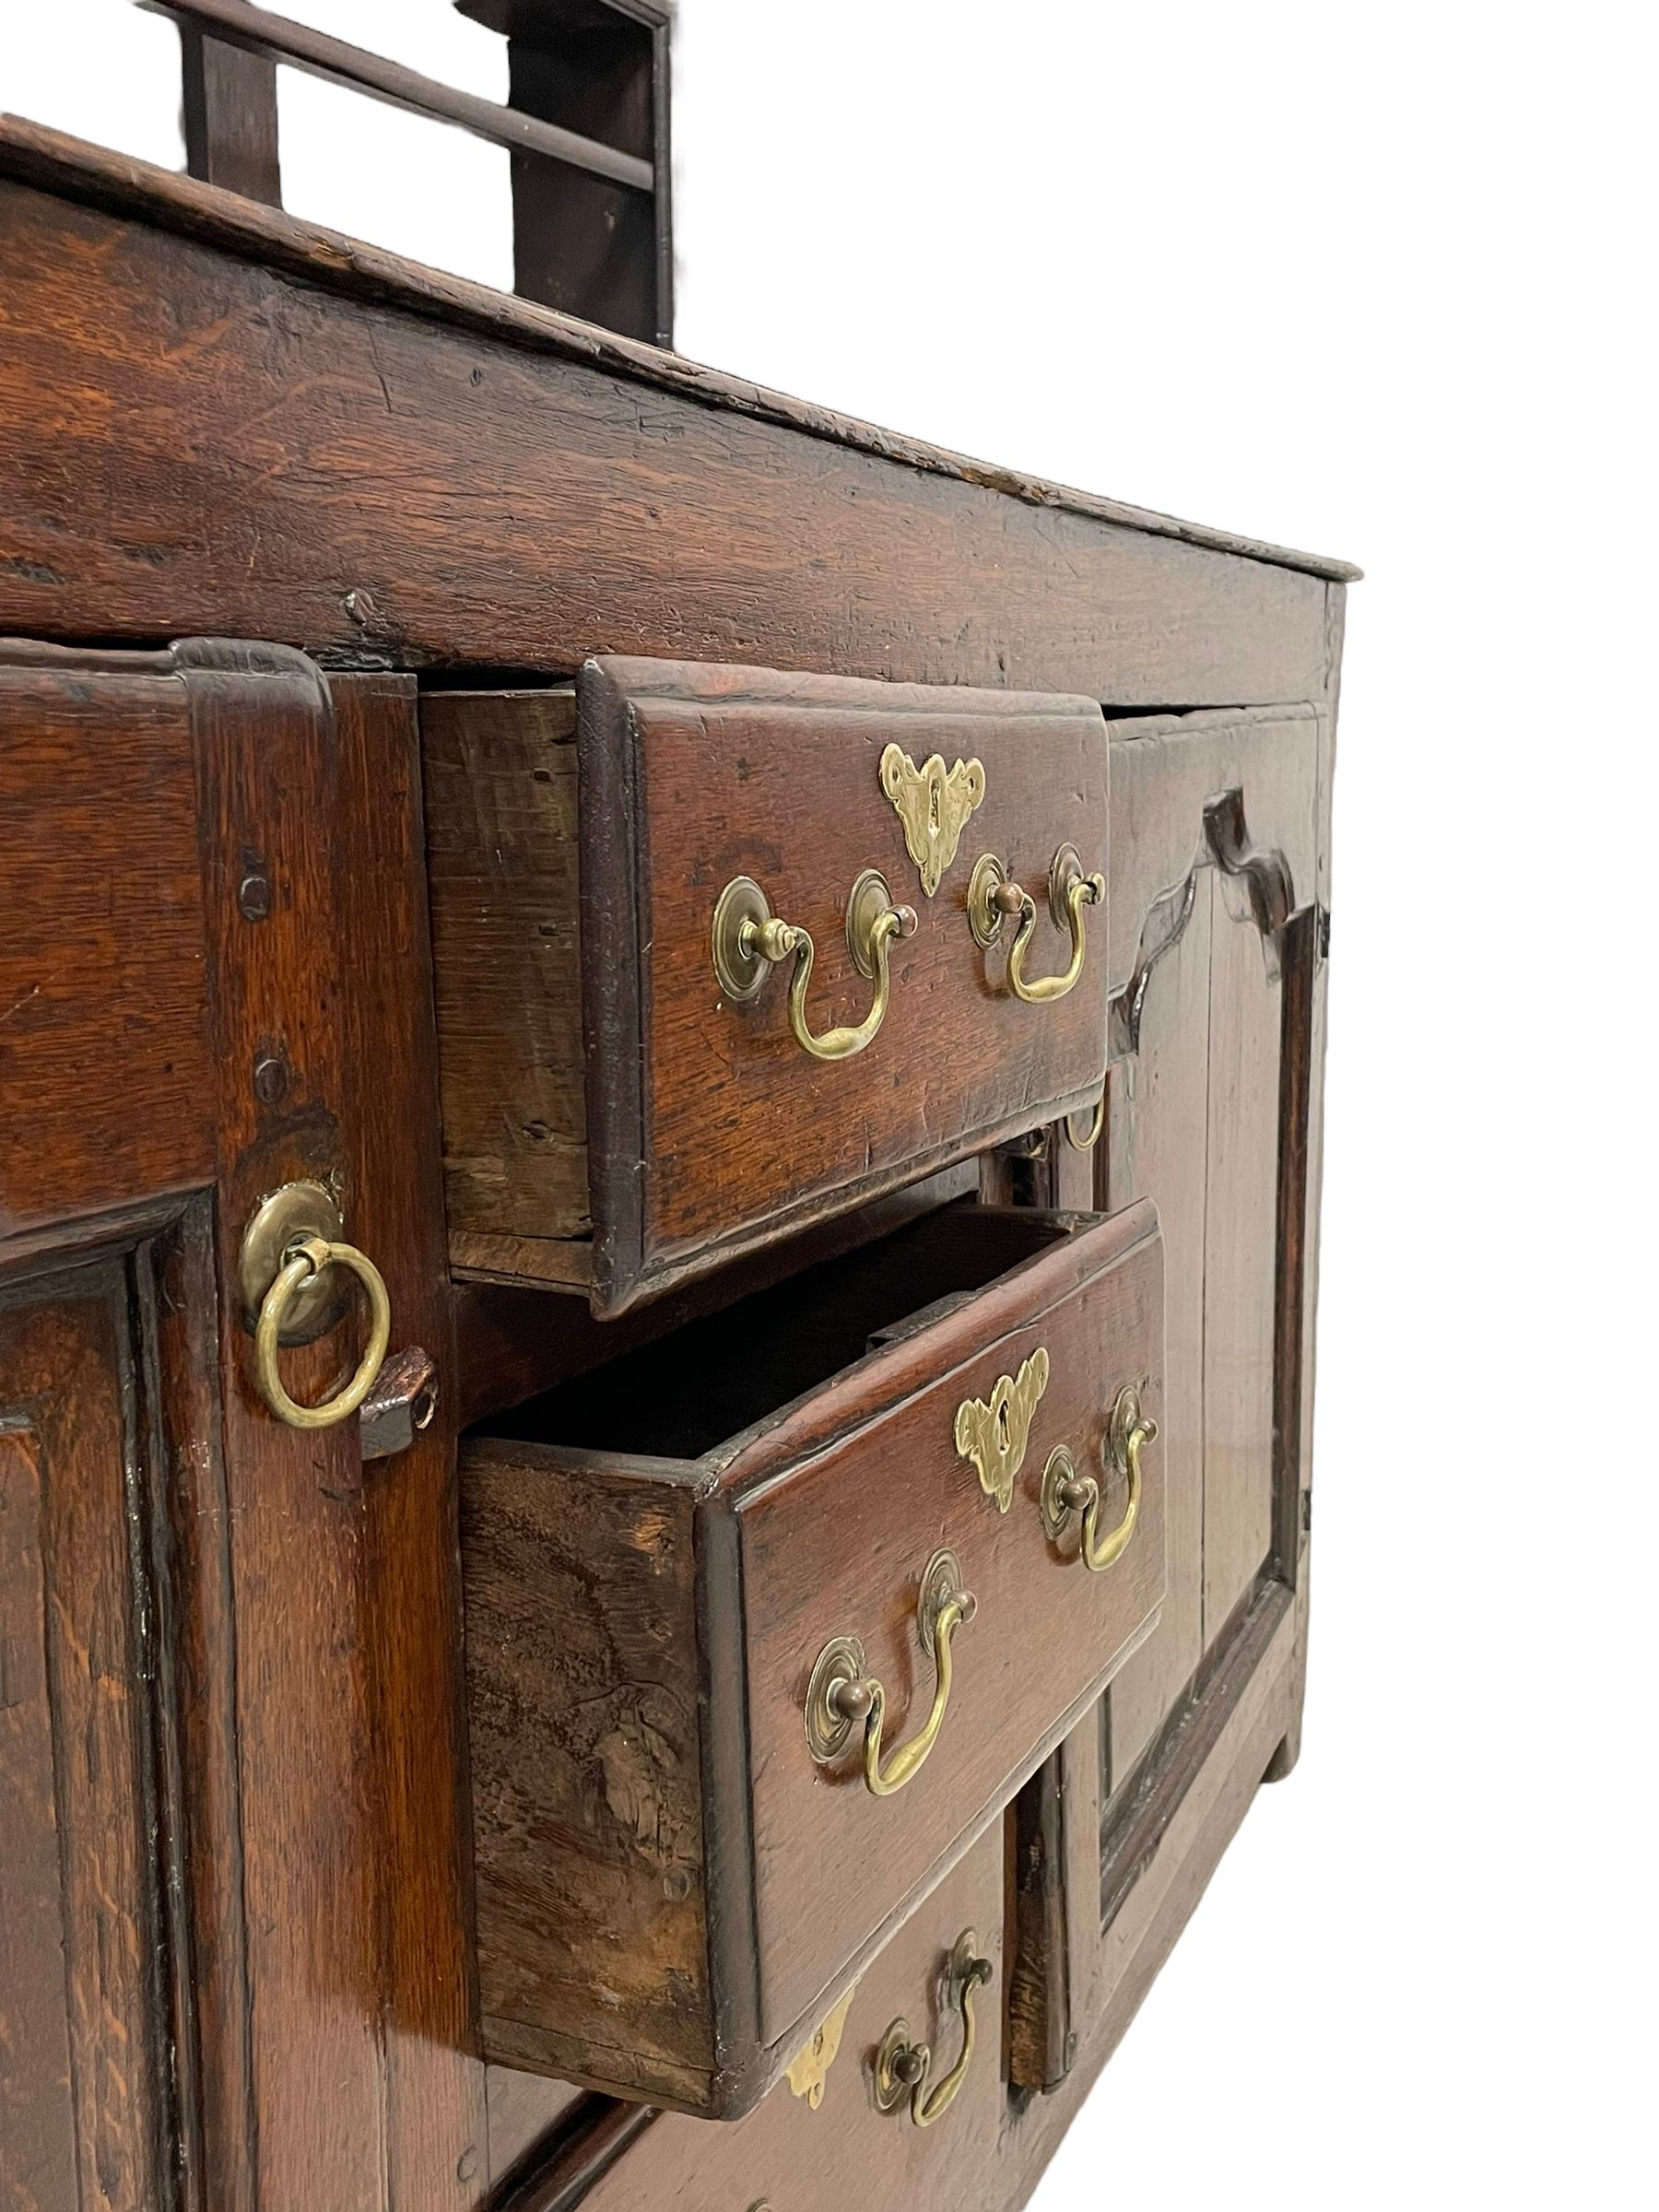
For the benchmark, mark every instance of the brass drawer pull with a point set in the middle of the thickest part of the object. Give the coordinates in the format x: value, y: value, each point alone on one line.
x: 1064, y: 1492
x: 842, y: 1694
x: 1087, y: 1142
x: 749, y: 939
x: 287, y: 1249
x: 902, y: 2067
x: 993, y: 897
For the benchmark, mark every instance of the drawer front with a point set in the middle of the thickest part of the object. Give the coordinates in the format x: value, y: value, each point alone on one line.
x: 854, y: 2146
x: 696, y: 777
x: 839, y: 1548
x: 634, y: 1086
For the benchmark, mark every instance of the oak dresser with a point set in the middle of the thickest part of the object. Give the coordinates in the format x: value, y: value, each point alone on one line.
x: 660, y: 1065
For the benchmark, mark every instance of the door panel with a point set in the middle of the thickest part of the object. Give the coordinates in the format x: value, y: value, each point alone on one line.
x: 1215, y: 839
x: 85, y: 2105
x: 1239, y: 1188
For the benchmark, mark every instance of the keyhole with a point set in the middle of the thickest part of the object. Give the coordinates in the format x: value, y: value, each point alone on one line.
x: 1004, y: 1433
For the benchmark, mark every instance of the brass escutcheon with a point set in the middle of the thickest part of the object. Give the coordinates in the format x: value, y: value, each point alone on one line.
x: 994, y: 897
x: 806, y: 2076
x: 842, y: 1695
x: 902, y: 2069
x: 992, y: 1433
x: 748, y: 940
x: 934, y: 804
x: 1065, y: 1493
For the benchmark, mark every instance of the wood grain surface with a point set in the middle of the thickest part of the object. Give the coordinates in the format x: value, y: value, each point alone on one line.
x: 283, y: 433
x: 503, y: 848
x: 710, y: 1127
x: 640, y: 1628
x: 235, y: 1940
x: 1194, y: 1123
x: 786, y: 2154
x: 105, y: 1068
x: 86, y: 2114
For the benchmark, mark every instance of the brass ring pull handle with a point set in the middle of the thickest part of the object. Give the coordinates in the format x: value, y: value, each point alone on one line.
x: 1065, y: 1493
x: 902, y: 2067
x: 994, y: 897
x: 287, y: 1251
x: 309, y: 1259
x: 842, y: 1695
x: 750, y: 940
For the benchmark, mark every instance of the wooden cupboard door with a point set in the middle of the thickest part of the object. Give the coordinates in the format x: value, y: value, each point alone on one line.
x: 1218, y: 938
x: 233, y: 1962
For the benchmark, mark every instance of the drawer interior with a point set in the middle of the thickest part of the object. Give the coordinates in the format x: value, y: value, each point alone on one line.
x: 716, y: 1377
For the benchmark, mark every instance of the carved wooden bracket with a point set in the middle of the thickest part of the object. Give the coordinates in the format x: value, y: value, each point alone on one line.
x: 1258, y: 885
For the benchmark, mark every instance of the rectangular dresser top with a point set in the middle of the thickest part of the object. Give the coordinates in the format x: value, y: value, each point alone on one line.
x: 179, y: 238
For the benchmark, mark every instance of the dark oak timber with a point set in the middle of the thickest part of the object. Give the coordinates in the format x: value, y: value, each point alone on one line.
x: 693, y: 517
x: 392, y: 674
x: 654, y: 1595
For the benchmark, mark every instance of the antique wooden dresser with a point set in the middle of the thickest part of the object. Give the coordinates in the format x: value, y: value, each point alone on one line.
x: 659, y: 1148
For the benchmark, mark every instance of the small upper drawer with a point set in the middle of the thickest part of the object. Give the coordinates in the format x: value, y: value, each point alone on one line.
x: 765, y: 1621
x: 721, y: 951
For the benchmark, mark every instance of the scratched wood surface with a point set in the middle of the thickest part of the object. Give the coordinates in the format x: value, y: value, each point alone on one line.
x: 786, y: 2153
x: 502, y: 847
x: 264, y: 429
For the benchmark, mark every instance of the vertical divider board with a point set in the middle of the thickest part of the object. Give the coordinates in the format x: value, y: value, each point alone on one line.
x: 435, y: 2089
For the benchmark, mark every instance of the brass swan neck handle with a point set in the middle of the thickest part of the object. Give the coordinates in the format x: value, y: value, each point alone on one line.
x: 903, y: 2067
x: 842, y: 1695
x: 1065, y: 1493
x: 749, y: 939
x: 993, y: 898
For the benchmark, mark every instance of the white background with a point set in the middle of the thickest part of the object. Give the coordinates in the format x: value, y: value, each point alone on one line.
x: 1374, y: 279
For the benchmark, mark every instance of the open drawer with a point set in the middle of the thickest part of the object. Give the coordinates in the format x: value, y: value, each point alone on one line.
x: 765, y: 1621
x: 719, y: 952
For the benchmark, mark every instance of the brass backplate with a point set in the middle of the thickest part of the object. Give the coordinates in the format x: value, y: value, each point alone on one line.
x: 828, y: 1731
x: 867, y: 903
x: 297, y: 1210
x: 1061, y: 1468
x: 739, y: 970
x: 941, y: 1581
x: 984, y: 917
x: 1064, y: 871
x: 1126, y: 1416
